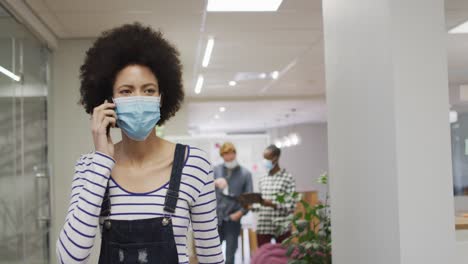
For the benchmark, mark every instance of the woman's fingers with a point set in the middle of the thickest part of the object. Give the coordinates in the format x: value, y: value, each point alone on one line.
x: 106, y: 122
x: 110, y: 112
x: 99, y: 116
x: 103, y: 116
x: 105, y: 105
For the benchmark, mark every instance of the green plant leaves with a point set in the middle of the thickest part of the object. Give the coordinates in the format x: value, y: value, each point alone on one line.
x: 308, y: 245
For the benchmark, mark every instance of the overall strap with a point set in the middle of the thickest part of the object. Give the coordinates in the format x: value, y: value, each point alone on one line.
x: 106, y: 204
x: 105, y: 213
x: 176, y: 175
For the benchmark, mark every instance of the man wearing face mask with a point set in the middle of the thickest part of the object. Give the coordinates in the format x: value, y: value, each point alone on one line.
x: 231, y: 180
x: 271, y: 214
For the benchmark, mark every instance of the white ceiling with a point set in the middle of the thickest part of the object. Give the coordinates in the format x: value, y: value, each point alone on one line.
x: 457, y: 52
x: 254, y: 115
x: 289, y: 41
x: 457, y: 13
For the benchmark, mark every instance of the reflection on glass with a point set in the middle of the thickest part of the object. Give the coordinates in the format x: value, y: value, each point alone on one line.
x: 24, y: 183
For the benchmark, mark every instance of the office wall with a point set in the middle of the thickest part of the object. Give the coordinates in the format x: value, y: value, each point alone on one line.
x: 308, y: 160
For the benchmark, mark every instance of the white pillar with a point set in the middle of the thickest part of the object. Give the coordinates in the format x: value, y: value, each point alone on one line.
x: 389, y: 141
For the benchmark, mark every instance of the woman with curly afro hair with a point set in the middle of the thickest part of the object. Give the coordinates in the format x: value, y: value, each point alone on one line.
x: 142, y: 193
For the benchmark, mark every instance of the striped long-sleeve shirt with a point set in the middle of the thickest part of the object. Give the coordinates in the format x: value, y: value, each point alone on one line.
x: 196, y: 206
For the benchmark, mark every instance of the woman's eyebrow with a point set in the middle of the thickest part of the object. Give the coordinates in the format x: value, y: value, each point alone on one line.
x: 125, y: 86
x: 149, y: 84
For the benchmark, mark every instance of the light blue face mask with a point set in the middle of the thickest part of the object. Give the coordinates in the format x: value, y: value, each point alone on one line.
x: 137, y: 115
x: 268, y: 164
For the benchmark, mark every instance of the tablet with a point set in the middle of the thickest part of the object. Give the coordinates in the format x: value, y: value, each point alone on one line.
x: 250, y: 198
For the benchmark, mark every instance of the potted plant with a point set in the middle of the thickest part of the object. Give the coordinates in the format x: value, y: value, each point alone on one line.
x: 310, y: 242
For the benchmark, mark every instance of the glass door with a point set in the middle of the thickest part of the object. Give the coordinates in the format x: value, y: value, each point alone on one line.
x: 24, y: 181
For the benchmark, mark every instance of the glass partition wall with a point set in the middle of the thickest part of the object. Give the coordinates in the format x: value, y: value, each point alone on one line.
x: 24, y: 178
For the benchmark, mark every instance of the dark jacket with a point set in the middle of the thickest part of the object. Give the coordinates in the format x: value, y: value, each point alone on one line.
x: 239, y: 181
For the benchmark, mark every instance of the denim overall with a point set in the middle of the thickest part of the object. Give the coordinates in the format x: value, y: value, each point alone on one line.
x: 143, y: 241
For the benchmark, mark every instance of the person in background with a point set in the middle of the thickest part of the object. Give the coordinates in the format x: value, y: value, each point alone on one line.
x: 271, y: 214
x: 231, y: 180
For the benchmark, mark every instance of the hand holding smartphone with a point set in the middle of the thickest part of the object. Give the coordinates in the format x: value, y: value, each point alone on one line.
x: 103, y: 118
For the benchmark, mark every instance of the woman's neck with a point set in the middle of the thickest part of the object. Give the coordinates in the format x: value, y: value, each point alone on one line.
x: 275, y: 170
x: 138, y: 152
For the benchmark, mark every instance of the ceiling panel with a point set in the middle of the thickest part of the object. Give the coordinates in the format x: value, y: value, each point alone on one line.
x: 254, y: 116
x: 457, y: 45
x: 110, y: 6
x: 245, y: 42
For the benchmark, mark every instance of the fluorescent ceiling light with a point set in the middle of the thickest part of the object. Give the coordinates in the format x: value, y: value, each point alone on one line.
x: 208, y: 50
x: 294, y: 139
x: 275, y: 75
x: 232, y: 83
x: 222, y: 109
x: 10, y: 74
x: 460, y: 29
x: 278, y: 143
x: 199, y: 84
x: 243, y: 5
x: 453, y: 116
x: 262, y: 75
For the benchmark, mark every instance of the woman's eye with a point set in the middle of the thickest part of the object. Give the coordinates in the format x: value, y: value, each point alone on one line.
x: 125, y: 91
x: 150, y: 91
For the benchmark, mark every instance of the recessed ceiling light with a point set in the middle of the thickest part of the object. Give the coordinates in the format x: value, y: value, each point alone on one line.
x: 262, y: 75
x: 208, y: 50
x: 199, y: 84
x: 278, y: 143
x: 232, y: 83
x: 460, y: 29
x: 243, y: 5
x: 275, y: 75
x: 216, y: 116
x: 294, y: 138
x: 222, y: 109
x: 10, y: 74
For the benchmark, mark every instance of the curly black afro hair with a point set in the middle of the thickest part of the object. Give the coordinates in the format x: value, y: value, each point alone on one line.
x: 131, y: 44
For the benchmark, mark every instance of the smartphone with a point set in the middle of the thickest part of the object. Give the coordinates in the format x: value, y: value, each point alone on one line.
x: 108, y: 130
x: 110, y: 125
